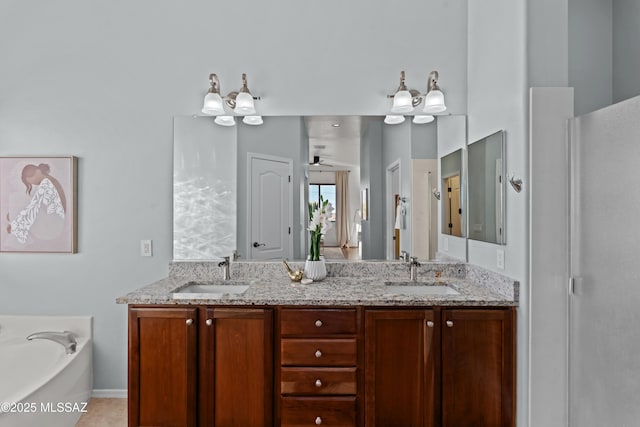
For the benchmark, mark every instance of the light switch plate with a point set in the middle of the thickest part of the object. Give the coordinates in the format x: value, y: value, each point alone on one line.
x: 500, y: 259
x: 445, y: 244
x: 146, y: 247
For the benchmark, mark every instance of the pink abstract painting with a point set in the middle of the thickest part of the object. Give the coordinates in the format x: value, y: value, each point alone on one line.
x: 38, y: 204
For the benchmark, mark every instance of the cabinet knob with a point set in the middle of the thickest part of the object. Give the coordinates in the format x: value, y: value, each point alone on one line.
x: 318, y: 383
x: 209, y: 322
x: 318, y: 323
x: 189, y: 322
x: 318, y: 421
x: 318, y: 353
x: 430, y: 323
x: 450, y: 323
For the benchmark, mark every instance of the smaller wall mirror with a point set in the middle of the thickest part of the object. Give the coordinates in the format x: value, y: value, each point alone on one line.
x: 451, y: 197
x: 487, y: 188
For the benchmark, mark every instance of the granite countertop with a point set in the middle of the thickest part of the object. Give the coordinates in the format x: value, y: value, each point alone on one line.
x: 365, y: 286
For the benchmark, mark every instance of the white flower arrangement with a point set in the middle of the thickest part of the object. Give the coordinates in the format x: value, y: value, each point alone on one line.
x: 319, y: 224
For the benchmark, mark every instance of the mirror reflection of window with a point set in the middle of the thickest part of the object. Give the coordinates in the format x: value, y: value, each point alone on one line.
x: 328, y: 192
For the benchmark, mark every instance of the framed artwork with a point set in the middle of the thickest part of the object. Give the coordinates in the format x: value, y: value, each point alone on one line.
x: 38, y: 204
x: 365, y: 204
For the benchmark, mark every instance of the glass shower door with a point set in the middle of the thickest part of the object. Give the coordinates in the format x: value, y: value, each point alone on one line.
x: 604, y: 347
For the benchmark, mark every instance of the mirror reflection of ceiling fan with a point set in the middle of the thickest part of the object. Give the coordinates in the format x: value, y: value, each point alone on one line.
x: 318, y: 162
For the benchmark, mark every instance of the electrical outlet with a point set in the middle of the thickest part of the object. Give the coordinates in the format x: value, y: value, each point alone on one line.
x: 146, y: 247
x: 445, y: 243
x: 500, y: 259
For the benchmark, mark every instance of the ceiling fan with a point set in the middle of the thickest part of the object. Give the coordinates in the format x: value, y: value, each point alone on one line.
x: 318, y: 162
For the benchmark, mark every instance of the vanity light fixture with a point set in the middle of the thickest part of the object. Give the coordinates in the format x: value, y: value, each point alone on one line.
x: 241, y: 102
x: 434, y: 99
x: 406, y: 100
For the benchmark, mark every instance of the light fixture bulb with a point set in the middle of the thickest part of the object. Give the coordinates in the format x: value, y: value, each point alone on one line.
x: 212, y: 104
x: 225, y: 121
x: 392, y: 119
x: 434, y: 102
x: 402, y: 102
x: 244, y: 104
x: 252, y: 120
x: 421, y: 119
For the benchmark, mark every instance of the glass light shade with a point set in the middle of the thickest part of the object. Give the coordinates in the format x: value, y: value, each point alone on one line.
x: 420, y: 120
x: 244, y: 104
x: 213, y: 104
x: 402, y: 102
x: 393, y: 119
x: 434, y: 102
x: 252, y: 120
x: 225, y: 121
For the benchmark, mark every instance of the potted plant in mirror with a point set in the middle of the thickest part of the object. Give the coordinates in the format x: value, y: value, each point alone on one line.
x: 319, y: 224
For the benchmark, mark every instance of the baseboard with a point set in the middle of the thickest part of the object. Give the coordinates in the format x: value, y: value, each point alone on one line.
x: 110, y: 393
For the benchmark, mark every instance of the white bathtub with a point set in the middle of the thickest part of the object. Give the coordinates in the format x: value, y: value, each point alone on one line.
x: 41, y: 385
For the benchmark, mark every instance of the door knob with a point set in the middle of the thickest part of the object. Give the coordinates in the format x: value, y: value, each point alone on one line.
x: 257, y: 245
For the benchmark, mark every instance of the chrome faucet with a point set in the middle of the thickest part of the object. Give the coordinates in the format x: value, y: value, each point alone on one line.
x: 66, y: 338
x: 413, y: 268
x: 226, y: 272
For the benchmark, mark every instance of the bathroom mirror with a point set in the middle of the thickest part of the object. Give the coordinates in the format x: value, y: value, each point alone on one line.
x: 487, y: 188
x: 215, y: 169
x: 451, y: 194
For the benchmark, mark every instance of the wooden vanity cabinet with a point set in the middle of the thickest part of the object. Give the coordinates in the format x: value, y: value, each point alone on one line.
x: 478, y: 367
x: 401, y: 367
x: 206, y: 366
x: 440, y: 367
x: 163, y: 366
x: 317, y: 366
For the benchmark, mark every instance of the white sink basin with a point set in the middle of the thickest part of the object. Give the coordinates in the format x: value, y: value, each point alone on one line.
x: 209, y: 291
x: 418, y: 288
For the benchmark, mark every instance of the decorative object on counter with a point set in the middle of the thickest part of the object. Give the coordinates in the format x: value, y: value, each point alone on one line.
x: 406, y: 100
x: 295, y: 276
x: 241, y: 102
x: 306, y: 281
x: 39, y: 207
x: 319, y: 213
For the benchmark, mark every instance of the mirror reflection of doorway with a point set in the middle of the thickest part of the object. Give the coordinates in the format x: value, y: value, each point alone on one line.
x: 452, y: 209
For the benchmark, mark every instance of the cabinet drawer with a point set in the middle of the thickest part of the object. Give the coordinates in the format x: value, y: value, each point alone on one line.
x: 317, y: 322
x: 318, y: 381
x: 318, y: 352
x: 313, y: 411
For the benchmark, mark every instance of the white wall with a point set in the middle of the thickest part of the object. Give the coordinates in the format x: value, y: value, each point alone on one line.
x: 102, y: 81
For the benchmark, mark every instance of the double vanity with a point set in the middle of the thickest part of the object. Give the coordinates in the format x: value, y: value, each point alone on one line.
x: 365, y: 347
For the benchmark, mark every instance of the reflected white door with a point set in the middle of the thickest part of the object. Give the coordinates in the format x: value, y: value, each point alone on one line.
x: 604, y: 360
x: 270, y: 211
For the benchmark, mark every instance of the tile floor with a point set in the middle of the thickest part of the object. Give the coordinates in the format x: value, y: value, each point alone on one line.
x: 103, y: 412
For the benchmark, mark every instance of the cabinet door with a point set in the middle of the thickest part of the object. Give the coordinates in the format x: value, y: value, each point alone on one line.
x: 236, y: 367
x: 478, y: 368
x: 400, y: 368
x: 162, y: 366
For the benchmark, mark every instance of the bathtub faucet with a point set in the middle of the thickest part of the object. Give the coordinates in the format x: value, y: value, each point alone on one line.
x: 66, y: 338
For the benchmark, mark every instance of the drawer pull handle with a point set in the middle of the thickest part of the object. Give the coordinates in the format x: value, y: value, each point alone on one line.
x: 430, y: 323
x: 209, y: 322
x: 450, y: 323
x: 318, y: 323
x: 318, y: 421
x: 189, y: 322
x: 318, y: 354
x: 318, y: 383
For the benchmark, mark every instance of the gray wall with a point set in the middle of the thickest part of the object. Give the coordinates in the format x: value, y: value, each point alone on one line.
x: 424, y: 141
x: 281, y: 137
x: 590, y: 53
x: 102, y: 81
x: 626, y: 49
